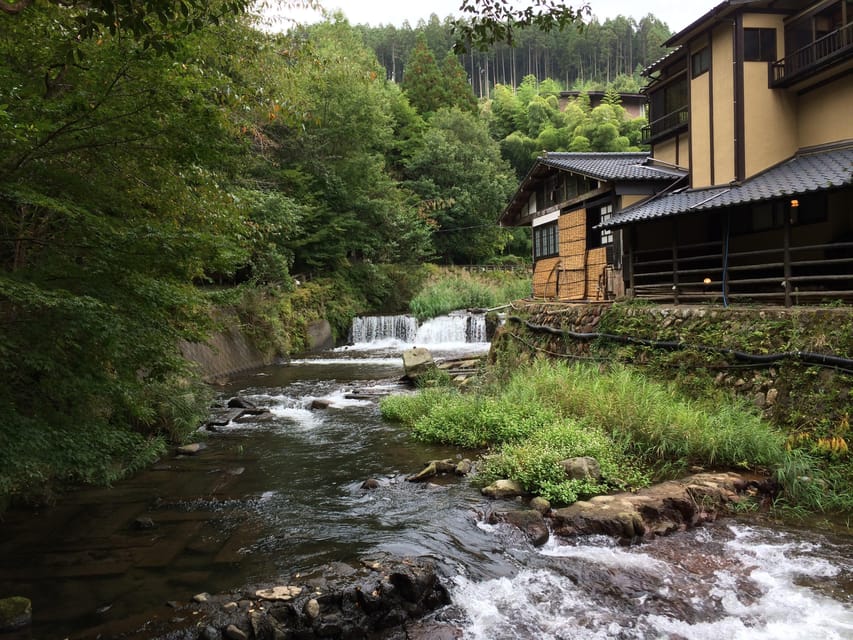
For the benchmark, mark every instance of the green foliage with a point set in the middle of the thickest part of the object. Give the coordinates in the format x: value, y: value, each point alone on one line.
x: 459, y: 169
x: 452, y: 290
x: 550, y: 411
x: 535, y: 462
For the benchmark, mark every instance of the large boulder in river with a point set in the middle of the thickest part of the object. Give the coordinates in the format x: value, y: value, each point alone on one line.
x: 417, y: 361
x: 657, y: 510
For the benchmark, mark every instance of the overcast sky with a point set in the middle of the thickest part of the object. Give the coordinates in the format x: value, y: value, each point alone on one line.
x: 677, y: 14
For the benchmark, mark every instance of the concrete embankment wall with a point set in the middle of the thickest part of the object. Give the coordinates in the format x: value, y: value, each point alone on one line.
x: 700, y: 345
x: 232, y: 350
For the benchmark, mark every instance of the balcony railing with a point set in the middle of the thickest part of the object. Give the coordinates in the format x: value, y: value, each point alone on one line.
x: 669, y: 123
x: 824, y: 51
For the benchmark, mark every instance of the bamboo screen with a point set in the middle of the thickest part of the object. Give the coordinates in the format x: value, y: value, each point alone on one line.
x: 573, y: 254
x: 545, y: 278
x: 578, y: 273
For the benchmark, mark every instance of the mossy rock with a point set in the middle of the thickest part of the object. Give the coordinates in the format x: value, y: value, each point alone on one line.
x: 15, y: 613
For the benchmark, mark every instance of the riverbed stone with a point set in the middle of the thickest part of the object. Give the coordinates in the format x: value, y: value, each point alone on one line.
x: 582, y: 468
x: 191, y: 449
x: 312, y: 608
x: 15, y: 613
x: 464, y: 467
x: 540, y: 504
x: 284, y: 592
x: 434, y: 468
x: 233, y: 632
x: 658, y: 510
x: 503, y: 489
x: 528, y: 521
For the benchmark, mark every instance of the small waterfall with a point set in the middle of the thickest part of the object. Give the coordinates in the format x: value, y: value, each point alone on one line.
x: 457, y: 327
x: 375, y: 328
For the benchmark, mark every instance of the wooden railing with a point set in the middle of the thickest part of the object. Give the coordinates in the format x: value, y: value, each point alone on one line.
x: 822, y: 52
x: 703, y: 272
x: 666, y: 124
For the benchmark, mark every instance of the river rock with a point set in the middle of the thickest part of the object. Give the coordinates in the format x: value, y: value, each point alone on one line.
x: 233, y: 632
x: 464, y: 467
x: 657, y: 510
x: 417, y: 361
x: 191, y: 449
x: 434, y: 468
x: 529, y: 521
x: 503, y: 489
x: 321, y: 403
x: 582, y: 468
x: 540, y: 504
x: 15, y: 613
x: 370, y: 483
x: 240, y: 403
x: 288, y: 592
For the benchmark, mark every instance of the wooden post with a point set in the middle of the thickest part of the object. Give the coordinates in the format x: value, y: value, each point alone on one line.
x: 675, y: 260
x: 630, y: 237
x: 786, y: 249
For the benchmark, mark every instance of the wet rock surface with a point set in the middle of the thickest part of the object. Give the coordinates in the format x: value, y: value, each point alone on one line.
x: 658, y: 510
x: 381, y: 600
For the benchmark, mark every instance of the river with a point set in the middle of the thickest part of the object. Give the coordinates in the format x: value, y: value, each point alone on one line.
x: 281, y: 499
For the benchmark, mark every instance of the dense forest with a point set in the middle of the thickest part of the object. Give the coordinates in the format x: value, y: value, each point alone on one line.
x: 160, y: 159
x: 590, y: 56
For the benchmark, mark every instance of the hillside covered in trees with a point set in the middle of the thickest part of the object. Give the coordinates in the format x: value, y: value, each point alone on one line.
x: 159, y: 160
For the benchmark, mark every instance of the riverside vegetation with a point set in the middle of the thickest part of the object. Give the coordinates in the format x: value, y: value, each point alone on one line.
x: 535, y: 406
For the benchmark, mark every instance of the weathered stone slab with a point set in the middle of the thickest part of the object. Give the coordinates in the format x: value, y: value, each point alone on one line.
x: 417, y: 361
x: 658, y: 510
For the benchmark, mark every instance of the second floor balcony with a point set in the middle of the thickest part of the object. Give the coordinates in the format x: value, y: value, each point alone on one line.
x: 831, y: 49
x: 669, y: 124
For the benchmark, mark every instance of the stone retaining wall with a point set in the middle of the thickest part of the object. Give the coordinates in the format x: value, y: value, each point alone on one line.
x: 781, y: 390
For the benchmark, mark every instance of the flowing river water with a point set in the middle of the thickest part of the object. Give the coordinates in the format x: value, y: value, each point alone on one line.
x: 280, y: 498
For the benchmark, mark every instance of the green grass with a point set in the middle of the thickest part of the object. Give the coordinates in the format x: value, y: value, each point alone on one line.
x: 450, y: 290
x: 550, y: 410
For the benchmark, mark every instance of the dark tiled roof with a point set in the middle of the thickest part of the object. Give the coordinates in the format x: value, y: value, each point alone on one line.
x: 610, y: 166
x: 805, y: 172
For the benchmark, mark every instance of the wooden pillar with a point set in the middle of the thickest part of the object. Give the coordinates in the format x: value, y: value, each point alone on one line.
x: 786, y: 258
x: 630, y: 237
x: 675, y: 260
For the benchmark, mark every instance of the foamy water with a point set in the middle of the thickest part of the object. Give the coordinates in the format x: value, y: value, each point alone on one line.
x: 756, y: 583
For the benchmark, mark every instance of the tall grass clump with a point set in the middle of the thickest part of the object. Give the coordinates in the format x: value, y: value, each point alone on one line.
x: 536, y: 462
x: 451, y: 290
x: 448, y: 416
x: 652, y: 419
x: 549, y: 410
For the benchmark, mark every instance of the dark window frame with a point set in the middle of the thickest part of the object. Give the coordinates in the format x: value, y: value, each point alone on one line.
x: 759, y: 44
x: 700, y: 62
x: 546, y: 241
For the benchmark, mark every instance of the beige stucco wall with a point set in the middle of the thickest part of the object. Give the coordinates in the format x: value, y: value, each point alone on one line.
x: 673, y: 151
x: 723, y: 87
x: 700, y: 129
x: 770, y: 115
x: 627, y: 200
x: 825, y: 113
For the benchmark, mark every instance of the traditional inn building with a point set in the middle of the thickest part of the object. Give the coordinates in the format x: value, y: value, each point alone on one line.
x: 564, y: 197
x: 756, y: 101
